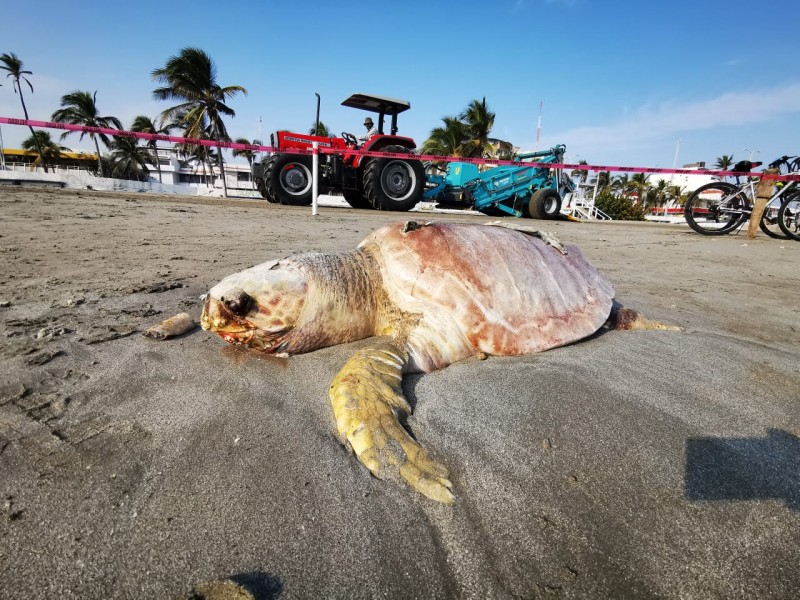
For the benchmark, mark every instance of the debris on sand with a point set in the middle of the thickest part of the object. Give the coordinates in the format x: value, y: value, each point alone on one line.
x: 172, y: 327
x: 219, y: 590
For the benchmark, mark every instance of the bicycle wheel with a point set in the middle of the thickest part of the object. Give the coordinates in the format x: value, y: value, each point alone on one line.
x: 716, y: 208
x: 769, y: 220
x: 789, y: 216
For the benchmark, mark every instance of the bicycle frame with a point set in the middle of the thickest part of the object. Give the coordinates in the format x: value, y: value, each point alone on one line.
x: 721, y: 207
x: 748, y: 189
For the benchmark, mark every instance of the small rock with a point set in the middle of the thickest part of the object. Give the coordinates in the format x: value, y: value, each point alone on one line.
x: 43, y: 358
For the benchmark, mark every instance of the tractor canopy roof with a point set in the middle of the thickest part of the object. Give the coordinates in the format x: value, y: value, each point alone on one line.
x: 377, y: 104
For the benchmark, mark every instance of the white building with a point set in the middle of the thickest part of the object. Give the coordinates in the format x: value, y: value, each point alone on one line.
x: 178, y: 175
x: 687, y: 182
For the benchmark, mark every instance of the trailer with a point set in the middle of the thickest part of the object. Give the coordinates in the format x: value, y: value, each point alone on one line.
x: 515, y: 190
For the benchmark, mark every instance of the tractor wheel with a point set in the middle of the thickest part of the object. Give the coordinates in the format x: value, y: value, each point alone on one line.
x: 544, y: 204
x: 261, y: 186
x: 394, y: 183
x: 265, y: 185
x: 289, y: 179
x: 356, y: 199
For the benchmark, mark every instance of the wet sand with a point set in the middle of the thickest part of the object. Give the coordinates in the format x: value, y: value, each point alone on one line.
x: 633, y: 464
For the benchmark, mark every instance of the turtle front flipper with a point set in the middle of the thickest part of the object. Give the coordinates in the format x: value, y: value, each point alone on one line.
x: 367, y: 398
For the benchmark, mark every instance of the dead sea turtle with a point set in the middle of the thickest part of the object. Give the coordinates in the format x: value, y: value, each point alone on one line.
x: 432, y: 294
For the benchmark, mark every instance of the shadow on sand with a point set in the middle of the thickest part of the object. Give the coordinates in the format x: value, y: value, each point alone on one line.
x: 729, y: 469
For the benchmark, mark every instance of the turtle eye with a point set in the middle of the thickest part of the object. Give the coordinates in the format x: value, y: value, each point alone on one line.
x: 240, y: 305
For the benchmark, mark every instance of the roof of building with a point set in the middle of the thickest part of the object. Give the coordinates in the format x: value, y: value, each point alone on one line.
x: 65, y: 154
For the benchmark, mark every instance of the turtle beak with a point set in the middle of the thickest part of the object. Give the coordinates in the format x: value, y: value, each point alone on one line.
x: 218, y: 317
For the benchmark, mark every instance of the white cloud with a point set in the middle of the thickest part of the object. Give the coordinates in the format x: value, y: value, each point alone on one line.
x: 650, y: 122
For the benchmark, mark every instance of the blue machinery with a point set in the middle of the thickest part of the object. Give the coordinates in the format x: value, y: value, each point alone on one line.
x: 516, y: 190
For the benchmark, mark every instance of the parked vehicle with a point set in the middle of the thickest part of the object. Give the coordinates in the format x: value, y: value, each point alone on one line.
x: 720, y: 207
x: 531, y: 191
x: 396, y: 183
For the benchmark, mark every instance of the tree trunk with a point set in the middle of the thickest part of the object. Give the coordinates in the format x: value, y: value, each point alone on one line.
x: 158, y: 163
x: 35, y: 139
x: 99, y: 162
x: 222, y: 172
x: 210, y: 167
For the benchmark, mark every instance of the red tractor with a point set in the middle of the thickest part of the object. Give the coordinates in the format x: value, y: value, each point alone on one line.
x: 365, y: 182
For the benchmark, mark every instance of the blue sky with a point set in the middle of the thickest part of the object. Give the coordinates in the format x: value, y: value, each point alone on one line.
x: 622, y: 82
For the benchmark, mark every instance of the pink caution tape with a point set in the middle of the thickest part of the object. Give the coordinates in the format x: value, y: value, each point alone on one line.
x: 423, y: 157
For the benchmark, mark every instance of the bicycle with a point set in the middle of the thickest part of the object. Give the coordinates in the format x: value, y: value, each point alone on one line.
x: 789, y: 216
x: 720, y: 207
x: 786, y: 164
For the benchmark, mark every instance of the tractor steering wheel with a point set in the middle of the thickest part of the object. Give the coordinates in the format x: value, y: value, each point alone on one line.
x: 349, y: 138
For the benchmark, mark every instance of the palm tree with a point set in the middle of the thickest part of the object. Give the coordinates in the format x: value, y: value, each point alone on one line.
x: 639, y: 184
x: 129, y: 159
x: 677, y: 193
x: 620, y: 182
x: 250, y: 155
x: 80, y: 108
x: 199, y: 154
x: 447, y: 140
x: 479, y: 121
x: 144, y: 124
x: 191, y: 79
x: 581, y: 173
x: 322, y: 130
x: 661, y: 191
x: 47, y: 149
x: 724, y: 163
x: 11, y: 63
x: 604, y: 181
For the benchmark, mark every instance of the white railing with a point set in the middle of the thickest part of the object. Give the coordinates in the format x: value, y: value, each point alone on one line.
x: 590, y: 211
x: 82, y: 179
x: 581, y: 207
x: 28, y: 168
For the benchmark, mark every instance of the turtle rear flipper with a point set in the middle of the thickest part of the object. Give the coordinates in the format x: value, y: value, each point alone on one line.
x: 628, y: 319
x: 367, y: 399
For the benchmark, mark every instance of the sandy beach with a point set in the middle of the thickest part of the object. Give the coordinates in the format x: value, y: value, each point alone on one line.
x: 630, y: 465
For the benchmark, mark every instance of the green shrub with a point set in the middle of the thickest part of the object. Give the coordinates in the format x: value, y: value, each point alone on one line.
x: 619, y: 207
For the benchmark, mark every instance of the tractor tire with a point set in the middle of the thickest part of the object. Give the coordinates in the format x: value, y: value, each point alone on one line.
x: 395, y: 184
x: 263, y: 184
x: 544, y: 204
x: 289, y: 179
x: 356, y: 199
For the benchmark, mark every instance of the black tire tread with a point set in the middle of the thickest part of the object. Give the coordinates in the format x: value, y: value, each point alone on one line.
x: 688, y: 207
x: 356, y: 199
x: 265, y: 185
x: 538, y: 203
x: 791, y: 234
x: 372, y: 182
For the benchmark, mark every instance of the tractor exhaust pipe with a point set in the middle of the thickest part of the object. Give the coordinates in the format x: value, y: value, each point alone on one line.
x: 316, y: 126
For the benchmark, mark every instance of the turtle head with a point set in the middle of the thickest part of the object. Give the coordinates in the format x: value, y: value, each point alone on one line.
x: 258, y: 307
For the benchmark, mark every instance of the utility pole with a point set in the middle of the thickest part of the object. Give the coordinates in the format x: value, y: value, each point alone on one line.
x: 674, y: 166
x: 539, y: 126
x: 751, y: 153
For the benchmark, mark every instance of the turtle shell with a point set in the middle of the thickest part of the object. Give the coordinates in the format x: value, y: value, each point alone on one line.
x: 476, y: 289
